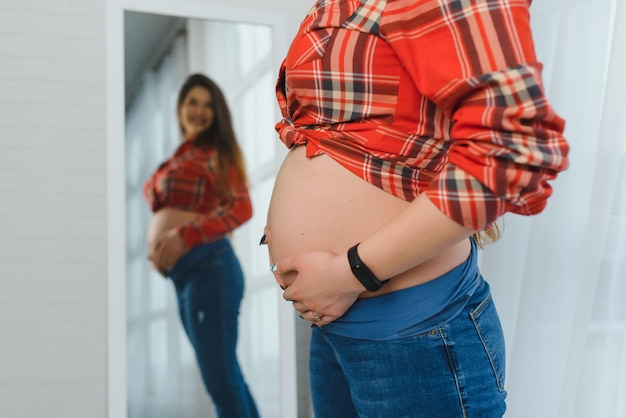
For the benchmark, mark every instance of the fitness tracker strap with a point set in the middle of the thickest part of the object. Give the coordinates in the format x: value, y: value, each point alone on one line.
x: 362, y: 272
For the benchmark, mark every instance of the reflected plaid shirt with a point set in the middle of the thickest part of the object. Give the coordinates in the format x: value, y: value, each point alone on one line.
x: 188, y: 181
x: 427, y: 96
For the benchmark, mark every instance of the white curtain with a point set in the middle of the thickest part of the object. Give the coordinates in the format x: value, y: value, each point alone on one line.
x: 559, y: 279
x: 238, y: 56
x: 162, y: 375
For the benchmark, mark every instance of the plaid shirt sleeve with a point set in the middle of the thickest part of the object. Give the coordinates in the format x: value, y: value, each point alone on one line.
x: 476, y: 61
x: 227, y: 216
x: 442, y: 97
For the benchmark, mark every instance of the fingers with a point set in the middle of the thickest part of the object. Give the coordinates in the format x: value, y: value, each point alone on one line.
x: 163, y: 259
x: 169, y: 249
x: 317, y: 320
x: 159, y: 257
x: 285, y: 272
x: 166, y: 251
x: 279, y: 280
x: 281, y: 271
x: 163, y: 272
x: 161, y: 251
x: 310, y: 316
x: 290, y: 294
x: 155, y: 254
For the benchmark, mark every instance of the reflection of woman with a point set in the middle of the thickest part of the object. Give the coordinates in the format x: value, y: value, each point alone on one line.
x: 412, y: 125
x: 198, y: 196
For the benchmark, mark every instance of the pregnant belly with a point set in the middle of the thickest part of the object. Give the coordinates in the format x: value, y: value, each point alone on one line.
x: 166, y: 219
x: 319, y: 205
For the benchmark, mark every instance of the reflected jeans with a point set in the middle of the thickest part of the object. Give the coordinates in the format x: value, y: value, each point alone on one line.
x: 454, y: 370
x: 209, y: 286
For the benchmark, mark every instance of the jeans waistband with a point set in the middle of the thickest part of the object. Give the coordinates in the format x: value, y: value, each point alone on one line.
x: 415, y: 309
x: 196, y: 255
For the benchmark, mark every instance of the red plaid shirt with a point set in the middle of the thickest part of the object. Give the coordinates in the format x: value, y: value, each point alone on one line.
x: 435, y: 96
x: 188, y: 181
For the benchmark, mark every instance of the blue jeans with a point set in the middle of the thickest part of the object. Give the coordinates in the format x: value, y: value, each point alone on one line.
x: 209, y: 285
x: 454, y: 370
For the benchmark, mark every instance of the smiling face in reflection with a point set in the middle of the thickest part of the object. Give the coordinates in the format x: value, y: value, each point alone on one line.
x: 196, y: 112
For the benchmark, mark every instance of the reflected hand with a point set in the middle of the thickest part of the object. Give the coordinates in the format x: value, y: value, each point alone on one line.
x: 166, y: 251
x: 324, y: 287
x: 157, y: 268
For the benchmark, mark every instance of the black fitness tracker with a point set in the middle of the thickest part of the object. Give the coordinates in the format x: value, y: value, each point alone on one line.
x: 362, y: 272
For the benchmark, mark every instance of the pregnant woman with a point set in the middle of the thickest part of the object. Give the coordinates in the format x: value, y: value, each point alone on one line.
x: 412, y: 127
x: 198, y: 197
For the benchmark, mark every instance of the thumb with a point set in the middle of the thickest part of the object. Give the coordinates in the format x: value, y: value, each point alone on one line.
x: 283, y: 266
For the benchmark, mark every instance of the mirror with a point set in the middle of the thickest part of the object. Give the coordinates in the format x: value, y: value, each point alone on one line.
x: 160, y: 51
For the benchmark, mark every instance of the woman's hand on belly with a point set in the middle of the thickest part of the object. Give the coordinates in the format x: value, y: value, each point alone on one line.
x: 319, y: 205
x: 319, y: 283
x: 166, y: 250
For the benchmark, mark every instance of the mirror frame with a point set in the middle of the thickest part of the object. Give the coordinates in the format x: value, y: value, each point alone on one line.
x: 116, y: 238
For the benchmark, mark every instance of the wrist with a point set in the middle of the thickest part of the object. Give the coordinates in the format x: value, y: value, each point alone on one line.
x: 348, y: 282
x: 188, y: 235
x: 363, y: 273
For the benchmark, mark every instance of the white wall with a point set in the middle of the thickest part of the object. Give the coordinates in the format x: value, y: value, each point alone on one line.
x: 53, y: 231
x: 52, y: 209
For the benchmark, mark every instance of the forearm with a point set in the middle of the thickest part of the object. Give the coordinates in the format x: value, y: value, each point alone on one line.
x: 417, y: 234
x: 323, y: 284
x: 207, y: 228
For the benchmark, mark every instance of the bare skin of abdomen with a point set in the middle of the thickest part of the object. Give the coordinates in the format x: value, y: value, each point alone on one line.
x: 319, y: 205
x: 165, y: 219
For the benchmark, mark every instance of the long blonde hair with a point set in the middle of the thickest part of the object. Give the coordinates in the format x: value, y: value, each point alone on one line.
x: 488, y: 236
